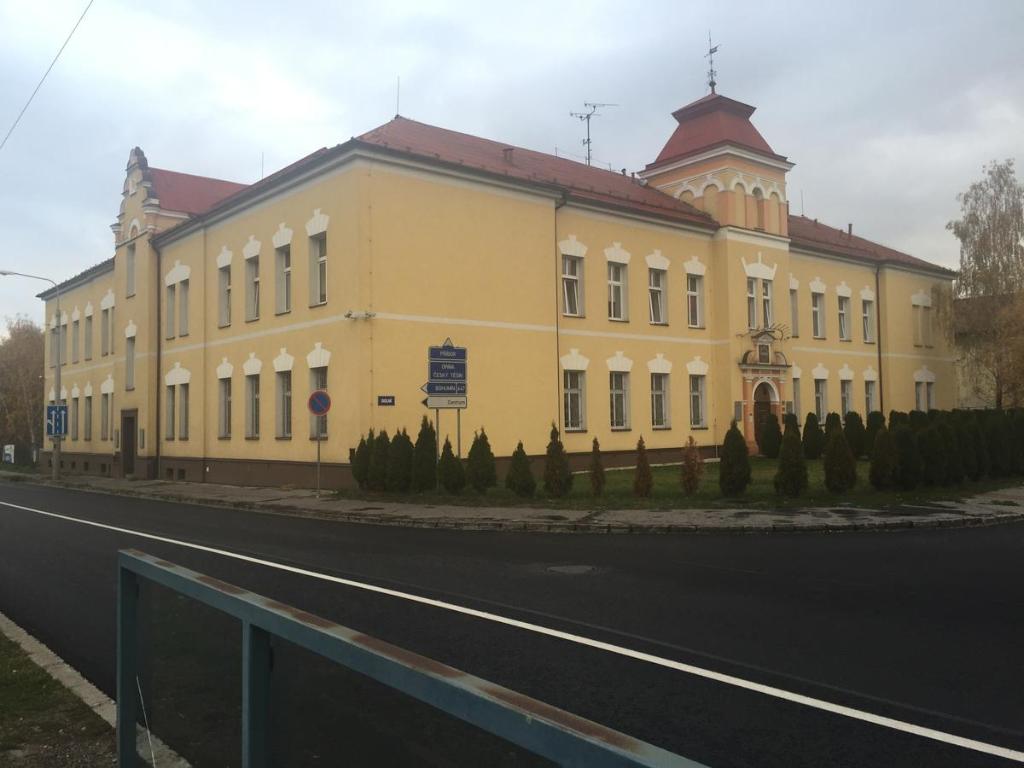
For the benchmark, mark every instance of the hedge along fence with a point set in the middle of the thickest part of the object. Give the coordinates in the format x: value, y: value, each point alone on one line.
x: 906, y: 451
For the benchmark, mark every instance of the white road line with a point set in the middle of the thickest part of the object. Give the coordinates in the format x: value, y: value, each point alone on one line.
x: 737, y: 682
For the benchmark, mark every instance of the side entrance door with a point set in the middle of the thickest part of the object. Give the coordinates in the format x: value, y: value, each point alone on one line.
x: 128, y: 433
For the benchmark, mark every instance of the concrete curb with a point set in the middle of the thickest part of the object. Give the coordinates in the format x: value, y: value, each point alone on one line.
x: 87, y: 693
x: 527, y: 526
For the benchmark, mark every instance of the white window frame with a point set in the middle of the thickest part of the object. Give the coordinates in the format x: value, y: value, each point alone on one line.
x: 318, y: 269
x: 917, y: 314
x: 224, y: 408
x: 283, y: 402
x: 170, y: 308
x: 926, y: 326
x: 818, y: 315
x: 183, y: 308
x: 129, y: 363
x: 170, y: 404
x: 695, y: 301
x: 75, y: 329
x: 929, y: 394
x: 574, y: 395
x: 252, y: 288
x: 87, y: 340
x: 844, y: 318
x: 106, y: 409
x: 87, y: 419
x: 74, y: 418
x: 821, y: 399
x: 224, y: 296
x: 796, y: 401
x: 660, y: 391
x: 618, y: 282
x: 767, y: 310
x: 845, y: 396
x: 318, y: 380
x: 283, y: 279
x: 618, y: 392
x: 572, y: 285
x: 698, y: 401
x: 794, y: 312
x: 252, y: 406
x: 105, y: 323
x: 751, y: 302
x: 919, y: 396
x: 658, y: 309
x: 868, y: 318
x: 183, y: 411
x: 869, y: 396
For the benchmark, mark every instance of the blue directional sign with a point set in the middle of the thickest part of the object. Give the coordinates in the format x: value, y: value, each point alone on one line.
x: 56, y: 420
x: 444, y: 371
x: 444, y: 387
x: 449, y: 352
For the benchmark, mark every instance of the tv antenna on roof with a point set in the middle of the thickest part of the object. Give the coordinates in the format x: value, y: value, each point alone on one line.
x: 591, y: 108
x: 710, y: 56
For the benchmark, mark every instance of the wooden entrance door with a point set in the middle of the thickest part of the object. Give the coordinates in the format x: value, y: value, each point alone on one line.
x: 128, y: 443
x: 762, y: 409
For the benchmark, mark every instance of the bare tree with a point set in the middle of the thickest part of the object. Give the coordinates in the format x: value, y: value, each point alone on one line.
x: 991, y: 234
x: 21, y: 389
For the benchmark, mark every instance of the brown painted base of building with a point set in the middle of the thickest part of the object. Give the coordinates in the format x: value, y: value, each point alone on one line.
x: 98, y: 464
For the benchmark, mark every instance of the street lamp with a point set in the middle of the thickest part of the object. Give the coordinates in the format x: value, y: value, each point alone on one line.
x: 56, y: 375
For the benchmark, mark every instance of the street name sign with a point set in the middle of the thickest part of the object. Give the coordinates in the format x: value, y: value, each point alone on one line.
x: 56, y: 420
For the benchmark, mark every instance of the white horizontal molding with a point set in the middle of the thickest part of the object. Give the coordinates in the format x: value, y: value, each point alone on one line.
x: 695, y: 267
x: 107, y: 387
x: 225, y: 369
x: 177, y: 273
x: 845, y: 373
x: 843, y: 290
x: 572, y: 247
x: 697, y: 367
x: 759, y: 269
x: 617, y: 253
x: 252, y: 248
x: 283, y: 362
x: 923, y: 374
x: 224, y: 257
x: 867, y: 294
x: 177, y: 375
x: 282, y: 237
x: 574, y: 361
x: 318, y: 357
x: 820, y: 372
x: 317, y: 225
x: 619, y: 363
x: 870, y: 374
x: 816, y: 285
x: 656, y: 261
x: 659, y: 364
x: 108, y: 299
x: 253, y: 366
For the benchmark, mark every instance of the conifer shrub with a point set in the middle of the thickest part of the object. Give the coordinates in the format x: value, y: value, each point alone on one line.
x: 933, y: 455
x: 980, y: 450
x: 918, y: 420
x: 791, y: 476
x: 954, y: 452
x: 769, y: 437
x: 519, y: 478
x: 790, y: 419
x: 361, y: 462
x: 896, y: 418
x: 998, y: 457
x: 480, y: 471
x: 399, y: 474
x: 908, y: 458
x: 450, y: 473
x: 379, y: 463
x: 1016, y: 425
x: 876, y: 420
x: 884, y: 460
x: 966, y: 447
x: 643, y: 481
x: 557, y: 477
x: 832, y: 421
x: 734, y: 465
x: 424, y: 459
x: 840, y: 466
x: 692, y: 468
x: 597, y: 478
x: 814, y: 438
x: 856, y: 435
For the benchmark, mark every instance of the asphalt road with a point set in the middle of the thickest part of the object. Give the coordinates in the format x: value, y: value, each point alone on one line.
x: 924, y: 627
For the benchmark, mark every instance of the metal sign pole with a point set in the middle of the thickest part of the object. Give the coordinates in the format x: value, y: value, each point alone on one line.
x: 458, y: 430
x: 318, y: 457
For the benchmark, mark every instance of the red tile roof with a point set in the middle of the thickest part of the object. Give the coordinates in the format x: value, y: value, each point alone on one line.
x: 709, y: 122
x: 812, y: 235
x: 185, y: 193
x: 580, y: 181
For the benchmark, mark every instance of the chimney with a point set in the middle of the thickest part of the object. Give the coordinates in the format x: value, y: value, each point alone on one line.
x: 849, y: 229
x: 507, y: 152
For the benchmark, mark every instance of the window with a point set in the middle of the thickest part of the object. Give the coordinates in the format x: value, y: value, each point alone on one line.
x: 74, y: 341
x: 318, y: 424
x: 74, y: 418
x: 698, y: 417
x: 868, y: 317
x: 616, y: 291
x: 844, y: 318
x: 572, y: 285
x: 283, y: 281
x: 224, y: 409
x: 820, y: 399
x: 575, y: 400
x: 818, y: 315
x: 694, y: 301
x: 224, y: 296
x: 766, y: 302
x: 88, y: 337
x: 87, y: 426
x: 869, y: 397
x: 169, y: 420
x: 318, y: 269
x: 252, y: 406
x: 252, y: 288
x: 169, y: 304
x: 105, y: 411
x: 926, y: 326
x: 660, y: 412
x: 129, y: 363
x: 63, y: 343
x: 284, y: 404
x: 751, y: 303
x: 53, y: 347
x: 129, y: 270
x: 796, y: 401
x: 619, y: 390
x: 656, y: 291
x: 183, y: 411
x: 105, y: 333
x: 919, y: 396
x: 794, y: 313
x: 183, y: 308
x: 845, y: 396
x: 929, y: 390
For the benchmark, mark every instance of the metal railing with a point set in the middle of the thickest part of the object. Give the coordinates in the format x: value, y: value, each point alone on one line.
x: 544, y: 730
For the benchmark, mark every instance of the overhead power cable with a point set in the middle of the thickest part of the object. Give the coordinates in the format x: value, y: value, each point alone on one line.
x: 43, y: 78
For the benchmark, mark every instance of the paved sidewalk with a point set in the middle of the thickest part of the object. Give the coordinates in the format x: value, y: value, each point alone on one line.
x: 1006, y: 505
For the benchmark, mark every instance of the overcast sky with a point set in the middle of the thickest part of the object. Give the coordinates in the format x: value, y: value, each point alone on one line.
x: 887, y: 109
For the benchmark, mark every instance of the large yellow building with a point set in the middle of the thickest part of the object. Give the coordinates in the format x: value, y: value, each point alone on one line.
x: 662, y: 304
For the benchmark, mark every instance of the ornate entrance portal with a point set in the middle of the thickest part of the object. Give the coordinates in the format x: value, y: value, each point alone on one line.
x: 765, y: 407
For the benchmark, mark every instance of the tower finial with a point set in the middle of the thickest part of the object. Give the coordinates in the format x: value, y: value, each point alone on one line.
x: 710, y: 56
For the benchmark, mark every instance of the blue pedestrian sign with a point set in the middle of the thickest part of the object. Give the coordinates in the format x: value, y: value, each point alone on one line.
x: 56, y: 420
x: 319, y: 403
x: 447, y: 375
